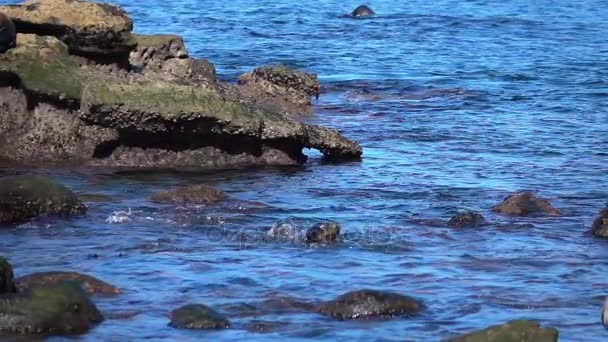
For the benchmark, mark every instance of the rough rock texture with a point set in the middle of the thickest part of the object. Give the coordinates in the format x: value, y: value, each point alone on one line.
x: 525, y: 203
x: 166, y: 56
x: 281, y: 89
x: 467, y: 219
x: 514, y: 331
x: 96, y: 30
x: 59, y: 111
x: 362, y: 11
x: 369, y: 304
x: 89, y: 284
x: 8, y: 33
x: 192, y: 194
x: 61, y: 309
x: 26, y: 197
x: 326, y: 232
x: 197, y: 316
x: 600, y: 225
x: 7, y: 284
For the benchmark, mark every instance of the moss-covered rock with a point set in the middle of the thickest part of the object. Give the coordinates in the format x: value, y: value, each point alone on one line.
x: 26, y: 197
x: 61, y: 309
x: 86, y: 27
x: 197, y: 316
x: 193, y: 194
x: 89, y: 284
x: 369, y: 304
x: 7, y: 284
x: 514, y: 331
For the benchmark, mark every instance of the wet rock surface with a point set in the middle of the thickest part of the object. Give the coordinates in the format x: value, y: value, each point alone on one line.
x: 55, y: 310
x: 370, y: 304
x: 197, y: 316
x: 600, y: 225
x: 326, y: 232
x: 362, y: 11
x: 89, y: 284
x: 514, y: 331
x: 8, y: 34
x: 26, y: 197
x: 7, y: 284
x: 309, y: 230
x: 466, y: 220
x: 525, y: 203
x: 193, y: 194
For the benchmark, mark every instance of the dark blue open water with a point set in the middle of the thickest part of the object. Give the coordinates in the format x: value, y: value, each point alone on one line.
x: 457, y: 104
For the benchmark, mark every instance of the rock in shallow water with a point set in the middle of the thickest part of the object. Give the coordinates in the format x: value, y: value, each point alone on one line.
x: 362, y: 11
x: 326, y: 232
x: 197, y: 316
x: 191, y: 194
x: 370, y: 304
x: 514, y: 331
x: 89, y: 284
x: 309, y: 230
x: 7, y: 284
x: 600, y: 225
x: 55, y: 310
x: 467, y: 219
x: 525, y: 203
x: 26, y: 197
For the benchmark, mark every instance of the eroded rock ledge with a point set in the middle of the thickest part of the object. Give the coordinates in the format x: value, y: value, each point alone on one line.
x: 66, y: 96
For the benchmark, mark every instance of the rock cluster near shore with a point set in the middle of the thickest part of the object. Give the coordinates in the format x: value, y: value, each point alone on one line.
x: 80, y: 87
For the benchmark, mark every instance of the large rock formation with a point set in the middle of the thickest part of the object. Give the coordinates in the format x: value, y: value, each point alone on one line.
x: 56, y: 109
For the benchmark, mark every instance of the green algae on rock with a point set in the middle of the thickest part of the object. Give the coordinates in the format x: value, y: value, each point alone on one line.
x: 26, y: 197
x: 193, y: 194
x: 513, y: 331
x: 89, y: 284
x: 197, y: 316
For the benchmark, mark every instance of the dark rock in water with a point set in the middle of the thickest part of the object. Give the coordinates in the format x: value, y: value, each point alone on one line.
x: 99, y: 31
x: 55, y: 310
x: 525, y: 204
x: 281, y: 89
x: 362, y: 11
x: 514, y: 331
x: 326, y: 232
x: 369, y: 304
x: 7, y: 284
x: 467, y: 219
x: 26, y: 197
x: 8, y: 34
x: 604, y: 316
x: 197, y: 316
x: 192, y: 194
x: 89, y: 284
x: 600, y: 225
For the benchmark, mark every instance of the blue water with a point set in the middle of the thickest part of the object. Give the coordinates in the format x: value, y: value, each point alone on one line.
x: 456, y: 103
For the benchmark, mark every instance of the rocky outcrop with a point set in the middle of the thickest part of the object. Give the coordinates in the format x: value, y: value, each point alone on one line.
x: 197, y: 316
x: 7, y: 284
x: 55, y: 110
x: 600, y: 225
x: 305, y: 230
x: 99, y: 31
x: 514, y: 331
x: 193, y: 194
x: 166, y: 57
x: 56, y: 310
x: 281, y: 89
x: 525, y: 203
x: 369, y: 304
x: 8, y: 33
x: 467, y: 219
x: 89, y: 284
x: 26, y: 197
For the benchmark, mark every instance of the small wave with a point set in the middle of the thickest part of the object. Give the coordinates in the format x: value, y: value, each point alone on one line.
x: 120, y: 216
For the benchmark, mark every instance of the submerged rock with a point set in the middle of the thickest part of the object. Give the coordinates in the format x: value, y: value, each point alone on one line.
x: 467, y: 219
x: 8, y: 34
x: 26, y: 197
x: 96, y: 30
x: 191, y: 194
x: 326, y: 232
x: 525, y: 203
x: 89, y: 284
x: 197, y: 316
x: 56, y: 310
x: 600, y: 225
x: 369, y: 304
x: 281, y: 89
x: 362, y: 11
x: 7, y: 284
x: 514, y: 331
